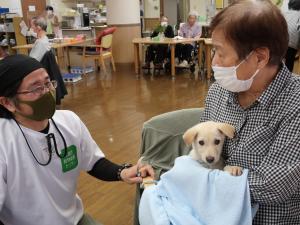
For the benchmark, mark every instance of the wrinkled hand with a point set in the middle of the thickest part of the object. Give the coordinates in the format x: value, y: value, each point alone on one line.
x: 136, y: 173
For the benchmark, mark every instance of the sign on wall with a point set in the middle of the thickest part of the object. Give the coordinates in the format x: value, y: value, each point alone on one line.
x: 219, y: 4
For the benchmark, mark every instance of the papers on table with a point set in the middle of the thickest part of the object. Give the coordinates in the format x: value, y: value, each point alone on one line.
x: 178, y: 38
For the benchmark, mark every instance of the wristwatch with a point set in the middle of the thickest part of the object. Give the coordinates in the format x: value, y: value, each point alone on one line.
x: 122, y: 167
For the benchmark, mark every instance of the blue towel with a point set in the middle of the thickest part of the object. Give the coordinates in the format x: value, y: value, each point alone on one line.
x: 190, y: 194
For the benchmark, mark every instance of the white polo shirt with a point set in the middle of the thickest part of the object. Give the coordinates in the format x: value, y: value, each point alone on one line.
x: 45, y: 195
x: 40, y: 47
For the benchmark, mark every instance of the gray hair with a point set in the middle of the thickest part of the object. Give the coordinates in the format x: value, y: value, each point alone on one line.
x: 164, y: 17
x: 193, y: 13
x: 40, y: 21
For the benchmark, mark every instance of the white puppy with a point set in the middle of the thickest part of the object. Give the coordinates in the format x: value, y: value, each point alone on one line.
x: 207, y: 140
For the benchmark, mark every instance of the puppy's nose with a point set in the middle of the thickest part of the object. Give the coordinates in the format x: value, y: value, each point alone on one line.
x: 210, y: 159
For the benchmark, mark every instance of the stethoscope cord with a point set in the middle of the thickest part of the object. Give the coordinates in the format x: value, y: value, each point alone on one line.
x: 48, y: 137
x: 63, y: 139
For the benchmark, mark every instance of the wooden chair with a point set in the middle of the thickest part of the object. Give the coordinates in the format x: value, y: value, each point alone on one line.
x: 101, y: 51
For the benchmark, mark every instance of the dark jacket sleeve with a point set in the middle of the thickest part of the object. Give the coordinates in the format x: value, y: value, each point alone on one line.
x: 154, y: 33
x: 49, y: 63
x: 169, y: 33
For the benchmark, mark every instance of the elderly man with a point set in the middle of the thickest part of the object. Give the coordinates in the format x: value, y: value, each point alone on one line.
x: 191, y: 29
x: 157, y: 53
x: 255, y: 92
x: 43, y: 150
x: 41, y: 45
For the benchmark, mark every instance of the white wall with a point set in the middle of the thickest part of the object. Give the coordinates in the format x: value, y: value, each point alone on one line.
x: 13, y: 5
x: 123, y: 11
x: 152, y: 8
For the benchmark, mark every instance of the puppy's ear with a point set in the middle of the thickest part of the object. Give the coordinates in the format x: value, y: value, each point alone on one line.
x: 227, y: 129
x: 190, y: 135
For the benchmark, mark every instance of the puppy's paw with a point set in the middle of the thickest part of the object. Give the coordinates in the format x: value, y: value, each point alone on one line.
x: 234, y: 170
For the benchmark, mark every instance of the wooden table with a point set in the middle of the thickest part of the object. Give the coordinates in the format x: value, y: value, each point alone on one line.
x: 166, y: 41
x: 208, y: 46
x: 59, y: 47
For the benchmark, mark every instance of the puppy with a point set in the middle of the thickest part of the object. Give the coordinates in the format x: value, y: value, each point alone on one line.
x: 207, y: 140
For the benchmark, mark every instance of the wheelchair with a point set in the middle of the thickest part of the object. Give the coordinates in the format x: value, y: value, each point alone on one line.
x: 158, y: 64
x: 157, y: 57
x: 196, y: 68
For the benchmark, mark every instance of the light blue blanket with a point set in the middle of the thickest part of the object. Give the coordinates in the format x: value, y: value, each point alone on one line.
x: 190, y: 194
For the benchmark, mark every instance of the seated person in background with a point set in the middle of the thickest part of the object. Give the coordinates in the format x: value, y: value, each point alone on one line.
x: 292, y: 17
x: 191, y: 29
x: 157, y: 53
x: 41, y: 45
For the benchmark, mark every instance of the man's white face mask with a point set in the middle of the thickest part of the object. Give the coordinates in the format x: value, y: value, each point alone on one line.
x: 227, y: 78
x: 164, y: 24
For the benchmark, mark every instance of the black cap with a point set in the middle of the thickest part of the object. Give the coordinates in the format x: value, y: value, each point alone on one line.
x: 14, y: 68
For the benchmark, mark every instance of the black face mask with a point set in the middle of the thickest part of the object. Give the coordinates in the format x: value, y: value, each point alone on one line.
x: 43, y: 108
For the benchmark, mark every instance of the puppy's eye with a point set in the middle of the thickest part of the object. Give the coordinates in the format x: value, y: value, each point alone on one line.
x: 217, y: 142
x: 201, y: 142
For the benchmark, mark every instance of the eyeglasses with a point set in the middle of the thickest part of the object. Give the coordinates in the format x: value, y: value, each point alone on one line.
x: 40, y: 89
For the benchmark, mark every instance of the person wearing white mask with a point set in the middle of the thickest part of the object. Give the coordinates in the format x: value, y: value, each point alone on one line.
x: 52, y: 21
x: 190, y: 29
x: 227, y: 77
x: 157, y: 53
x: 257, y: 94
x: 41, y: 44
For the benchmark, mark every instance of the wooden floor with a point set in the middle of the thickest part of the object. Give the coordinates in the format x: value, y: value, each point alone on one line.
x: 114, y: 108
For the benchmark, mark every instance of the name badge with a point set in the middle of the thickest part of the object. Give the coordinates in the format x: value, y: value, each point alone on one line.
x: 70, y: 161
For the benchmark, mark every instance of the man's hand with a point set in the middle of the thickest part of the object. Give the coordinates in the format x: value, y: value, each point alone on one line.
x: 136, y: 173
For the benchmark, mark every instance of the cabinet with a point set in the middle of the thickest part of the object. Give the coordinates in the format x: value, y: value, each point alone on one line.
x: 10, y: 31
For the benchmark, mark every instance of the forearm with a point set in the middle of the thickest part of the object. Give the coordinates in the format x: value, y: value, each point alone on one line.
x: 105, y: 170
x: 274, y: 184
x: 180, y: 33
